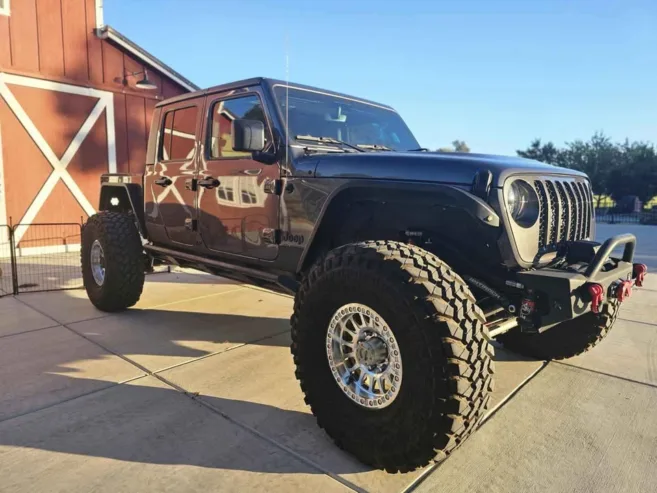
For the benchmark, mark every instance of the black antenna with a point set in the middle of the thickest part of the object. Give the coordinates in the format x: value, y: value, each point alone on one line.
x: 287, y: 97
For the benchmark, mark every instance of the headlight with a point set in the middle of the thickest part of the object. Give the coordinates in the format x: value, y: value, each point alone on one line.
x: 522, y: 202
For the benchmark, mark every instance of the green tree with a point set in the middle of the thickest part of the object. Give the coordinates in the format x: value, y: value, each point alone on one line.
x: 457, y: 146
x: 546, y: 153
x: 460, y: 146
x: 597, y: 157
x: 635, y: 173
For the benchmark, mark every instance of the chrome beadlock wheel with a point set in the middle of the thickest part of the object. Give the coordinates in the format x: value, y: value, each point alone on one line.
x: 364, y: 356
x: 97, y: 263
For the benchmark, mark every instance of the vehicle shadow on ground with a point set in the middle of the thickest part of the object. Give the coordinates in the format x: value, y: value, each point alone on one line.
x: 156, y: 332
x: 142, y: 423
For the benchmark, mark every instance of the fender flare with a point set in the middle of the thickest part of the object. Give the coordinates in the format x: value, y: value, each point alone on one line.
x: 134, y: 194
x: 442, y: 194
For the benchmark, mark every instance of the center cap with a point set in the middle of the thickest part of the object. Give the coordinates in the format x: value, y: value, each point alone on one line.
x: 371, y: 351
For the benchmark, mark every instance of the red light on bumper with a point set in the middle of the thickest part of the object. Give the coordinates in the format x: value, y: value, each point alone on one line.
x: 597, y: 295
x: 623, y: 290
x: 639, y: 271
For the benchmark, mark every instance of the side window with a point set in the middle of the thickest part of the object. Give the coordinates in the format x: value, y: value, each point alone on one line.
x: 165, y: 146
x: 179, y: 134
x: 223, y: 113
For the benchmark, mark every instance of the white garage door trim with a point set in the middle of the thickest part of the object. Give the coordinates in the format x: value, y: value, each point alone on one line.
x: 59, y: 172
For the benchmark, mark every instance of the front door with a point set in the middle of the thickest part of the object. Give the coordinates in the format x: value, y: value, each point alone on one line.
x: 236, y: 213
x: 171, y: 183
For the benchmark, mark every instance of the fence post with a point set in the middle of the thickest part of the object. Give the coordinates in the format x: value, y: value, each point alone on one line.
x: 14, y: 264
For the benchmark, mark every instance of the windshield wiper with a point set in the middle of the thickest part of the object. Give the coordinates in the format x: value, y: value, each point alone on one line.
x: 419, y: 149
x: 329, y: 140
x: 375, y: 147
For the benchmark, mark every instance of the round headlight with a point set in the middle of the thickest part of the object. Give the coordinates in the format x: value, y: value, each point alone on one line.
x: 522, y: 202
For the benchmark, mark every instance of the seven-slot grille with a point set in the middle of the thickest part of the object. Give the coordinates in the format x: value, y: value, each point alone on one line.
x: 565, y: 211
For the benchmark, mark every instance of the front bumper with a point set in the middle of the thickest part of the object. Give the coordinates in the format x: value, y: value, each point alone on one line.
x: 562, y: 294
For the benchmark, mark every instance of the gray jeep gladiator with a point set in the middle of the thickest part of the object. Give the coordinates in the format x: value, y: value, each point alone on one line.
x: 405, y: 264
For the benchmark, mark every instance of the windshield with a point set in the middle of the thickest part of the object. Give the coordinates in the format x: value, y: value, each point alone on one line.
x: 335, y: 117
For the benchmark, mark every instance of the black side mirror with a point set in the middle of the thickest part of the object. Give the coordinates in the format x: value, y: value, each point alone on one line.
x: 248, y: 135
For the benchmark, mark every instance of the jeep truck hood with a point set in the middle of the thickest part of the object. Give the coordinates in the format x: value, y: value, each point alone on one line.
x: 443, y: 167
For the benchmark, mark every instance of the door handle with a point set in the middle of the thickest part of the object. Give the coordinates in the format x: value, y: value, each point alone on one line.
x: 209, y: 182
x: 163, y: 182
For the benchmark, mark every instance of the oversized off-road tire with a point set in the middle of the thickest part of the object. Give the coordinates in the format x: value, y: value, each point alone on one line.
x: 432, y: 328
x: 112, y: 261
x: 567, y: 339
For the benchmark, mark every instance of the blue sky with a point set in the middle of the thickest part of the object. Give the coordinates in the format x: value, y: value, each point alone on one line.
x: 495, y: 73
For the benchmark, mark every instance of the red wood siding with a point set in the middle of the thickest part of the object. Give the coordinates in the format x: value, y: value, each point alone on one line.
x: 23, y: 36
x: 55, y: 40
x: 74, y: 27
x: 51, y: 38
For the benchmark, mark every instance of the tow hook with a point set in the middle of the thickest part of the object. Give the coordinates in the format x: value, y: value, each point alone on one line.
x: 597, y: 296
x: 622, y: 290
x: 639, y: 271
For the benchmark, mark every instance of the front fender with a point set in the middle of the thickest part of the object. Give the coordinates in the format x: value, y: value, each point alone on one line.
x: 130, y: 198
x: 413, y: 203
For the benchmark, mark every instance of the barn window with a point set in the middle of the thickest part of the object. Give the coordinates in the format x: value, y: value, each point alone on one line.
x: 4, y: 7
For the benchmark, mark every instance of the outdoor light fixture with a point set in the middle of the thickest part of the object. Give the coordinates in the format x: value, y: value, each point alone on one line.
x: 144, y: 83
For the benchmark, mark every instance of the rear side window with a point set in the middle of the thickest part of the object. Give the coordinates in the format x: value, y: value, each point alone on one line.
x: 222, y: 114
x: 179, y: 134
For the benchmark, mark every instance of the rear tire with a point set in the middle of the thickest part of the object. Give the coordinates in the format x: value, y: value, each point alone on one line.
x: 567, y: 339
x: 114, y: 282
x: 446, y: 357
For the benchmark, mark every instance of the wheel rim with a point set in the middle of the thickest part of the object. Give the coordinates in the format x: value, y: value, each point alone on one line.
x: 97, y: 263
x: 364, y: 356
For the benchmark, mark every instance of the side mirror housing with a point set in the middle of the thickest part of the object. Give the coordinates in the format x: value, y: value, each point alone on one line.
x: 248, y: 135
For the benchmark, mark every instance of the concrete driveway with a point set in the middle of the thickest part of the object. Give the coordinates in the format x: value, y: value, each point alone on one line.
x: 194, y: 390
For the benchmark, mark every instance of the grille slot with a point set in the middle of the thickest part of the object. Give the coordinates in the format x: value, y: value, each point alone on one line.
x: 565, y: 208
x: 575, y: 218
x: 542, y: 214
x: 553, y: 212
x: 564, y: 225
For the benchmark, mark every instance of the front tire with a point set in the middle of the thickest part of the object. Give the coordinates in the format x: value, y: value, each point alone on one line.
x: 567, y: 339
x: 112, y: 261
x: 446, y: 359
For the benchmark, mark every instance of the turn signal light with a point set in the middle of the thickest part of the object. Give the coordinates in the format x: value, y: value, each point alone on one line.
x: 640, y: 271
x: 597, y: 296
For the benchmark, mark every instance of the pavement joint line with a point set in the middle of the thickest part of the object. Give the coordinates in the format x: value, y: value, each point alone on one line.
x: 258, y: 434
x: 194, y: 299
x: 630, y: 380
x: 192, y: 396
x: 637, y: 321
x: 31, y: 330
x: 264, y: 290
x: 111, y: 351
x: 48, y: 406
x: 107, y: 315
x: 91, y: 392
x: 221, y: 351
x: 425, y: 474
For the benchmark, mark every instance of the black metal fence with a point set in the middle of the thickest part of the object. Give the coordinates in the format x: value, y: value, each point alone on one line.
x: 612, y: 217
x: 40, y: 257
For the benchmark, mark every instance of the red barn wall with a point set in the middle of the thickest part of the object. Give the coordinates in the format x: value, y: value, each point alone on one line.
x: 44, y: 43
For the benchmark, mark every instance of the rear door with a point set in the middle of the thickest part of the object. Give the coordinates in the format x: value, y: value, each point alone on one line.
x: 239, y: 214
x: 171, y: 183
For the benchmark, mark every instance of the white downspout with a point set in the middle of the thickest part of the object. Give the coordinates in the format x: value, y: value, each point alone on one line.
x: 100, y: 22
